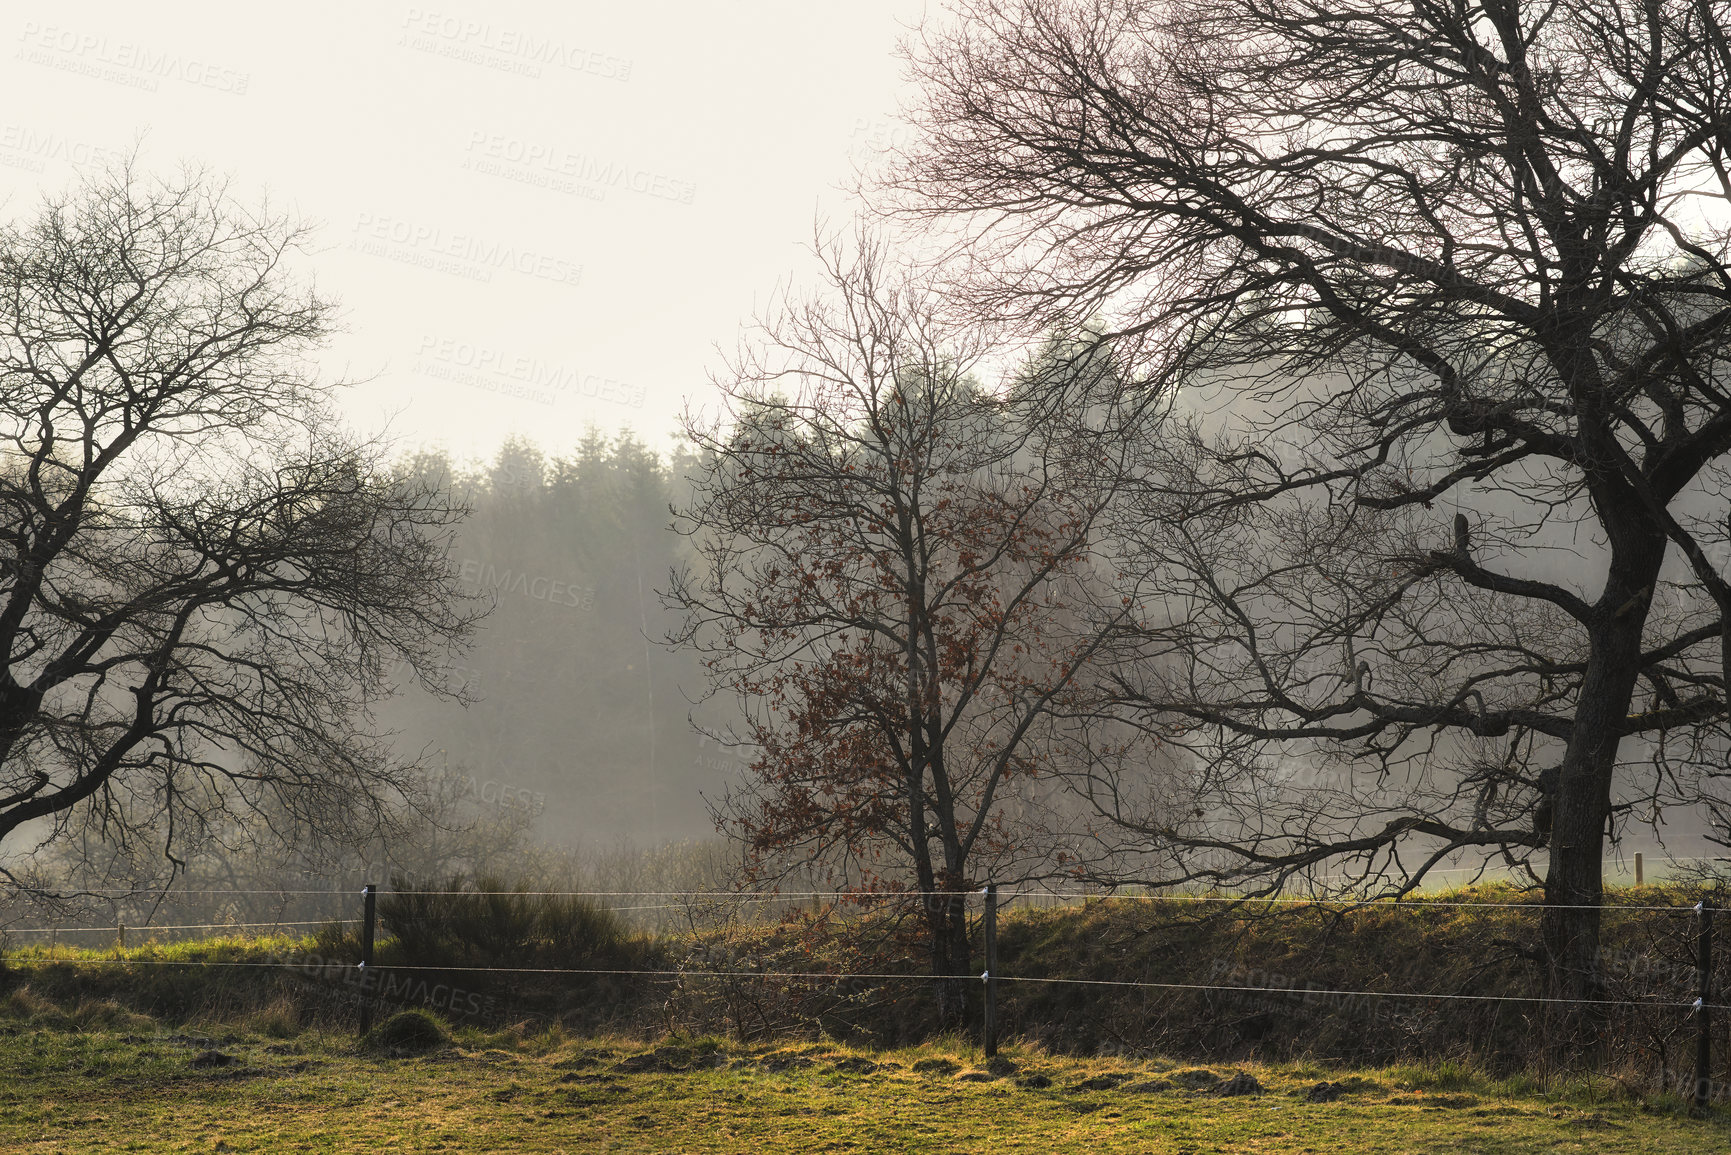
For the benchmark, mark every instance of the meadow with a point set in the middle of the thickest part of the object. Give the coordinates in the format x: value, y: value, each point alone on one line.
x: 110, y: 1080
x: 249, y: 1042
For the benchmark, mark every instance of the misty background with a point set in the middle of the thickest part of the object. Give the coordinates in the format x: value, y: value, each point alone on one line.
x: 580, y: 718
x: 540, y: 221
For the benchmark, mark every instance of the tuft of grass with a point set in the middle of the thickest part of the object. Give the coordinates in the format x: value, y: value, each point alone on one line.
x: 279, y: 1019
x: 408, y: 1033
x: 26, y: 1005
x: 106, y: 1014
x: 1439, y: 1075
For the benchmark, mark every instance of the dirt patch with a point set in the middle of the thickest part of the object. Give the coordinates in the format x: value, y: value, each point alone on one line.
x: 659, y: 1061
x: 936, y: 1067
x: 1107, y: 1082
x: 207, y: 1059
x: 853, y: 1065
x: 184, y: 1040
x: 1196, y: 1079
x: 671, y: 1060
x: 1242, y: 1083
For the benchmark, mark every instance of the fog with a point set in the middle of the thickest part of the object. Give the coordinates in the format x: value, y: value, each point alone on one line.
x: 579, y: 715
x: 537, y: 216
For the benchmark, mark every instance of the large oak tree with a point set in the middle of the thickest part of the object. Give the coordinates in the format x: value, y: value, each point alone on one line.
x: 1454, y: 276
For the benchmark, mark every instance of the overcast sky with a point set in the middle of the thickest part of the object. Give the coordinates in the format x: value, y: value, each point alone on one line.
x: 537, y: 215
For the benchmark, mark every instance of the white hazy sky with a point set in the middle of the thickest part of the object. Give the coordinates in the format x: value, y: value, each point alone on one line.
x: 536, y: 215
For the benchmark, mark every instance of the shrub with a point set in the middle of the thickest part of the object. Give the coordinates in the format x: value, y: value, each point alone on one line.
x: 337, y: 940
x: 491, y: 924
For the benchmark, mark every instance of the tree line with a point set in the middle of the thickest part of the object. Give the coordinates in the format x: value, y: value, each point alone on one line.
x: 570, y: 696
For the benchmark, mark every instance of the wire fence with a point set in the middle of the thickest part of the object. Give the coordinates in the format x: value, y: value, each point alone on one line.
x: 902, y: 976
x: 146, y: 933
x: 1657, y: 983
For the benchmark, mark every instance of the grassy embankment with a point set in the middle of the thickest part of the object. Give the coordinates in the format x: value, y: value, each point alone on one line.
x: 1344, y: 960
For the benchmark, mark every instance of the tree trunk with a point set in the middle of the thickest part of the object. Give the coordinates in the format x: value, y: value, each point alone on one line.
x: 1574, y: 884
x: 947, y: 923
x: 960, y: 956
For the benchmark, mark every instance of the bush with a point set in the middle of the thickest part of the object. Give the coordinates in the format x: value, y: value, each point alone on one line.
x: 490, y: 923
x: 337, y: 940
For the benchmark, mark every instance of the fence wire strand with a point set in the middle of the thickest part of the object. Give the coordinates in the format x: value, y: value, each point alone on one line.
x: 1004, y: 896
x: 297, y: 964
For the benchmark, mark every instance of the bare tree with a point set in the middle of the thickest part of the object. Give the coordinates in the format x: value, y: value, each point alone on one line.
x: 896, y: 582
x: 202, y: 577
x: 1458, y: 275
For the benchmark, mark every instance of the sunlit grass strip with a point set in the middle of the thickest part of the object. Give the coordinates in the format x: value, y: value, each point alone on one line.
x: 545, y: 1091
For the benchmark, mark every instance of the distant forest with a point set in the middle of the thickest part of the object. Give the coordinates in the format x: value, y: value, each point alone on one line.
x: 578, y: 714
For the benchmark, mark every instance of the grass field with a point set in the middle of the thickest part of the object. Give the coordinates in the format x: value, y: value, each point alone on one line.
x: 204, y: 1046
x: 130, y: 1086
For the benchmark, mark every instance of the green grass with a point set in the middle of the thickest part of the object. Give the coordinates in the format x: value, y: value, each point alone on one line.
x: 131, y: 1088
x: 214, y: 948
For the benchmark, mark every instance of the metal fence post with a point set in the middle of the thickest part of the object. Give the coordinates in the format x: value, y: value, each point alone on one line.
x: 369, y: 896
x: 990, y: 1023
x: 1704, y: 1024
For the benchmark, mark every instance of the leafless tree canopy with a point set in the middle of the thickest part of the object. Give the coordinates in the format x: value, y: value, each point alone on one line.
x: 201, y: 575
x: 897, y: 582
x: 1444, y: 288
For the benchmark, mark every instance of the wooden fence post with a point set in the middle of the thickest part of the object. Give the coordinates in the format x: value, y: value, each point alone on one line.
x: 1640, y: 878
x: 990, y: 1023
x: 1704, y: 1024
x: 369, y: 896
